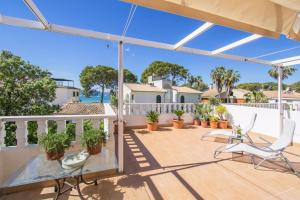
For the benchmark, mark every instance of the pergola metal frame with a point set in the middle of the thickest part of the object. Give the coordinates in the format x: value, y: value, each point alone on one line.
x: 43, y: 24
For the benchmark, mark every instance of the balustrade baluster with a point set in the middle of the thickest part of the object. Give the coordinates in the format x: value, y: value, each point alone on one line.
x: 42, y: 127
x: 78, y: 130
x: 2, y: 134
x: 61, y: 125
x: 21, y: 133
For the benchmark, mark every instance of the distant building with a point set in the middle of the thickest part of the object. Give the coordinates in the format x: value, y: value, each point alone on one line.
x: 159, y: 91
x: 237, y: 95
x: 66, y: 92
x: 287, y: 97
x: 82, y: 109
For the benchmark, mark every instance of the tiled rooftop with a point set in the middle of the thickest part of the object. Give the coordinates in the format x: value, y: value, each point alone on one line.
x: 82, y: 109
x: 177, y: 164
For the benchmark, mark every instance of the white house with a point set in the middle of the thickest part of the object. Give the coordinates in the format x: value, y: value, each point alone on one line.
x: 65, y: 92
x: 159, y: 91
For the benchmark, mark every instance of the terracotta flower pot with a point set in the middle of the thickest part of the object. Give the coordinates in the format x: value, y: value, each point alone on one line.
x: 54, y: 155
x: 197, y: 122
x: 152, y: 126
x: 177, y: 124
x: 223, y: 124
x: 204, y: 124
x: 213, y: 124
x: 93, y: 150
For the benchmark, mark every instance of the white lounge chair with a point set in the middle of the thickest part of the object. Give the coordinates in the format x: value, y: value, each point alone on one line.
x: 270, y: 152
x: 231, y: 133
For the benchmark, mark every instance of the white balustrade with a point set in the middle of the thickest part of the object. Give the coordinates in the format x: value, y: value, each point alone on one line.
x: 42, y: 122
x: 286, y: 106
x: 162, y: 108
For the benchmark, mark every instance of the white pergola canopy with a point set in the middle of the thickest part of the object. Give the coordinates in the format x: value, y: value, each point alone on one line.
x: 238, y: 14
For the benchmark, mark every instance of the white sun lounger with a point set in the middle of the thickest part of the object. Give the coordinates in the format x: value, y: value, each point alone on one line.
x: 271, y: 152
x: 230, y: 133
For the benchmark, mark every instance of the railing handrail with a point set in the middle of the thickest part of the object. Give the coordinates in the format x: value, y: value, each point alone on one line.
x: 53, y: 117
x: 158, y: 103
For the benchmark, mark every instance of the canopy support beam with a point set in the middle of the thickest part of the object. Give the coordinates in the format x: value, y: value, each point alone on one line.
x: 237, y: 43
x: 120, y: 108
x: 34, y: 9
x: 194, y: 34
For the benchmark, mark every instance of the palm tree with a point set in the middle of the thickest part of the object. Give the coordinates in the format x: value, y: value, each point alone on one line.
x: 256, y: 97
x: 231, y: 77
x: 196, y: 82
x: 286, y: 72
x: 218, y: 77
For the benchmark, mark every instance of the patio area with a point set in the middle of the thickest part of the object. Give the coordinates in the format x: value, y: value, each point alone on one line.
x: 177, y: 164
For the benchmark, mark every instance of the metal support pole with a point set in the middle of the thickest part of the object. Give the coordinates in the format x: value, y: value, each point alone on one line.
x: 120, y: 108
x: 280, y: 106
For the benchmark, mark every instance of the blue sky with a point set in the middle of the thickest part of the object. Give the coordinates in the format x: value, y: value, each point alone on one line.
x: 65, y: 55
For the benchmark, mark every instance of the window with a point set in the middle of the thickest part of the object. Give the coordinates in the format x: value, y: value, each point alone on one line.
x: 77, y: 93
x: 132, y: 97
x: 158, y: 99
x: 182, y: 99
x: 74, y: 93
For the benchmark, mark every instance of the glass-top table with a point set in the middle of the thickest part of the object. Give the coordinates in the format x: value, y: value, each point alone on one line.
x: 40, y: 169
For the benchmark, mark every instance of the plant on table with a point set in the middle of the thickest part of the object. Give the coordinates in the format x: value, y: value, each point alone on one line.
x: 92, y: 140
x: 222, y: 111
x: 178, y: 123
x: 213, y: 121
x: 152, y: 120
x: 54, y: 144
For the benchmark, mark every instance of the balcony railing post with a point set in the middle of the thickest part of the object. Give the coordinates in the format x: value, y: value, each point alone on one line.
x: 2, y: 134
x: 96, y: 123
x: 42, y: 127
x: 61, y: 125
x: 78, y: 130
x: 20, y: 133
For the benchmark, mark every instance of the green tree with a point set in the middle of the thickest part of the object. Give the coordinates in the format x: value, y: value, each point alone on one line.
x: 230, y: 79
x: 295, y: 86
x: 286, y: 72
x: 174, y: 72
x: 129, y: 77
x: 25, y: 89
x: 218, y: 78
x: 196, y: 83
x: 256, y: 97
x: 99, y: 76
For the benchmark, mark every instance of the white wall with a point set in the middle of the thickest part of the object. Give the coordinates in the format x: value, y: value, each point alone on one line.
x: 64, y: 95
x: 147, y: 97
x: 188, y: 98
x: 267, y: 119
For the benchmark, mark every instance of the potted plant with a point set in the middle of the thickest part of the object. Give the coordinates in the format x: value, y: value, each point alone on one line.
x: 204, y: 120
x: 178, y: 123
x: 238, y: 132
x: 152, y: 120
x: 54, y: 144
x: 205, y: 113
x: 197, y: 119
x: 92, y: 140
x: 213, y: 121
x: 221, y: 111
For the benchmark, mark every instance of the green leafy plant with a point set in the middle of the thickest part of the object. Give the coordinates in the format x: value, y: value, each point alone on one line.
x: 92, y: 137
x: 196, y: 116
x: 214, y: 101
x: 206, y: 112
x: 221, y: 111
x: 179, y: 114
x: 213, y: 118
x: 54, y: 142
x: 152, y: 116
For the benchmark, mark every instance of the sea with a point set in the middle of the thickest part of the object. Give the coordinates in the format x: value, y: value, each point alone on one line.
x: 95, y: 98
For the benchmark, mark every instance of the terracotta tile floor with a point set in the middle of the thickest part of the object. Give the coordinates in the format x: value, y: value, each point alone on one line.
x: 176, y: 164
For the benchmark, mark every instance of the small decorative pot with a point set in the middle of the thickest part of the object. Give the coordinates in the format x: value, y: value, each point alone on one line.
x: 197, y: 122
x: 213, y: 124
x: 55, y: 155
x: 152, y: 126
x: 204, y: 124
x: 93, y: 150
x: 177, y: 124
x: 223, y: 124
